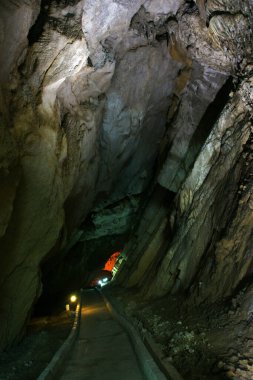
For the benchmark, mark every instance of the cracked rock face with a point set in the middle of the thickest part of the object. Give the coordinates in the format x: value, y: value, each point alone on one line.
x: 103, y: 101
x: 201, y: 243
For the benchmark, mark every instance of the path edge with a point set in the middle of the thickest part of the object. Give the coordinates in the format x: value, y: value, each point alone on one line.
x: 54, y: 366
x: 148, y: 354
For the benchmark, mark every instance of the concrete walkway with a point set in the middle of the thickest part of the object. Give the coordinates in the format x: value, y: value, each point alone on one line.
x: 102, y: 350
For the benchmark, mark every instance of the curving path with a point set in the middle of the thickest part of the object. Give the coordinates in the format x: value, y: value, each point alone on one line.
x: 103, y: 350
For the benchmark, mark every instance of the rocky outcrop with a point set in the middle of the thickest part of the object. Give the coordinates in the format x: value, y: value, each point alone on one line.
x: 200, y: 242
x: 204, y: 208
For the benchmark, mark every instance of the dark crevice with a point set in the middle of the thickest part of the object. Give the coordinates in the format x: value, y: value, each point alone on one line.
x: 89, y: 62
x: 65, y: 3
x: 36, y: 30
x: 66, y: 25
x: 208, y: 120
x: 246, y: 282
x: 151, y: 29
x: 163, y: 37
x: 190, y: 8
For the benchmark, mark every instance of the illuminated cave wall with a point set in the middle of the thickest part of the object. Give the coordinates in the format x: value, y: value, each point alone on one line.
x: 124, y: 119
x: 109, y: 265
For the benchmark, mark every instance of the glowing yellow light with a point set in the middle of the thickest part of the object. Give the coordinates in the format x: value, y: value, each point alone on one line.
x: 73, y: 298
x: 67, y: 307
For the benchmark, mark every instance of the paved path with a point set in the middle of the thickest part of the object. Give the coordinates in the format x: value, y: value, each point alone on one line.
x: 102, y: 350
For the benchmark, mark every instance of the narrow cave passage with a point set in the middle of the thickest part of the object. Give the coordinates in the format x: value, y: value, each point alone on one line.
x: 126, y: 152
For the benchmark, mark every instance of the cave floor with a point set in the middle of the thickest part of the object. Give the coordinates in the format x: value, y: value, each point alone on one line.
x: 29, y: 358
x: 207, y: 343
x: 103, y: 349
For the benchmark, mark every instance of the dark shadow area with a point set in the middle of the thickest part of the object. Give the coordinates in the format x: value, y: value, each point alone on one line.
x: 64, y: 275
x: 37, y: 29
x: 245, y: 283
x: 207, y: 122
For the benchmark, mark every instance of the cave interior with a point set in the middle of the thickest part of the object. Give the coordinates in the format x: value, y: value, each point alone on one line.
x: 126, y: 149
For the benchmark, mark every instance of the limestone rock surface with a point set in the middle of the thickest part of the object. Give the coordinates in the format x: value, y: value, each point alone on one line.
x: 103, y: 102
x: 75, y: 126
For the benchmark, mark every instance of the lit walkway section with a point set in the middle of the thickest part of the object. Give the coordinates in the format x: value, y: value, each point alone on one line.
x: 102, y: 350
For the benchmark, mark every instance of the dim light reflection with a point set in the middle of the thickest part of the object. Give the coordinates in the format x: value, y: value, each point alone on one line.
x: 92, y: 310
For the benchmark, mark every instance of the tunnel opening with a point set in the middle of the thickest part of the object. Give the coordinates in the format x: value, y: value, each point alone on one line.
x: 106, y: 274
x: 85, y: 263
x: 59, y: 279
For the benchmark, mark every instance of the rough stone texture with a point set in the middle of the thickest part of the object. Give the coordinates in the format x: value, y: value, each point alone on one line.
x: 206, y: 198
x: 96, y: 98
x: 13, y: 33
x: 189, y: 247
x: 146, y: 241
x: 113, y: 220
x: 230, y: 260
x: 58, y: 150
x: 115, y: 18
x: 134, y: 120
x: 201, y: 91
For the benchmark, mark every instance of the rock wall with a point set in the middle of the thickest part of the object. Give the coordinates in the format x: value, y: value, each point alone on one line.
x: 84, y: 99
x: 200, y: 243
x: 207, y: 233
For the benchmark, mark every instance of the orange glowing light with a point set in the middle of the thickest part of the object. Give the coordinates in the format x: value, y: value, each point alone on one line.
x: 111, y: 261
